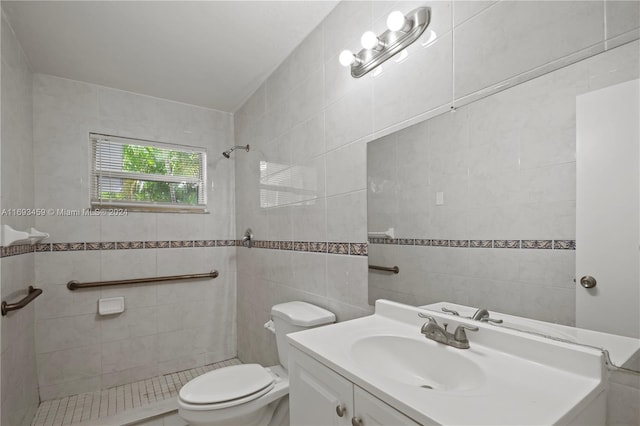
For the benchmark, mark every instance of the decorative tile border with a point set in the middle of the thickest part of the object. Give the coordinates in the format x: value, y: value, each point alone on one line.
x: 353, y: 249
x: 481, y: 243
x: 111, y: 245
x: 512, y: 244
x: 564, y: 244
x: 46, y: 247
x: 107, y: 246
x: 274, y: 245
x: 17, y: 250
x: 181, y: 244
x: 300, y: 246
x: 537, y: 244
x: 506, y: 244
x: 406, y: 241
x: 458, y: 243
x: 317, y: 247
x: 341, y: 248
x: 377, y: 240
x: 338, y: 248
x: 358, y: 249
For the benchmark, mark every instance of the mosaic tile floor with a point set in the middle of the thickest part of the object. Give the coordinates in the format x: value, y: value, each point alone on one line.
x: 104, y: 403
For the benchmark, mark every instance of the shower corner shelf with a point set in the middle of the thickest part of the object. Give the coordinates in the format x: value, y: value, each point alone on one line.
x: 11, y: 236
x: 388, y: 234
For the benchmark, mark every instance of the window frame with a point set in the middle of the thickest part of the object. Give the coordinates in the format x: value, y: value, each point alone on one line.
x: 95, y: 174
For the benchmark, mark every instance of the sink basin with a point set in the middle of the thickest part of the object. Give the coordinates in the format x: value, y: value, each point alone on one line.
x: 416, y: 363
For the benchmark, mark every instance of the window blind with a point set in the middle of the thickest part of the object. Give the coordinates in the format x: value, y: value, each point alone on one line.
x: 146, y: 175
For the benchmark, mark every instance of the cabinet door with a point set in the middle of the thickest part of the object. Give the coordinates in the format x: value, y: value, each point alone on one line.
x: 316, y: 392
x: 372, y: 411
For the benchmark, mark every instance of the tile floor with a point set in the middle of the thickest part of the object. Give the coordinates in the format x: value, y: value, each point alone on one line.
x: 104, y: 403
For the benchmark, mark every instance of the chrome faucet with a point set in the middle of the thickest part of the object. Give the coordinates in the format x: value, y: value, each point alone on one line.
x: 480, y: 315
x: 483, y: 315
x: 458, y: 339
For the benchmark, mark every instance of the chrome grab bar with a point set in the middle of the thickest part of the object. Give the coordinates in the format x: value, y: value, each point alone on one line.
x: 33, y: 293
x: 74, y: 285
x: 393, y: 269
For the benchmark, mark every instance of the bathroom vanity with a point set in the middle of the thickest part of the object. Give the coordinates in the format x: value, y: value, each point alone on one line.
x: 382, y: 370
x: 324, y: 397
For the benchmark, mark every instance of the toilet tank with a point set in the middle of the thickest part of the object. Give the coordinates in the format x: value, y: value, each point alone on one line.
x: 296, y: 316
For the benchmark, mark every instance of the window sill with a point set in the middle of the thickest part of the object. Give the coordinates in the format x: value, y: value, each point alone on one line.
x: 116, y: 209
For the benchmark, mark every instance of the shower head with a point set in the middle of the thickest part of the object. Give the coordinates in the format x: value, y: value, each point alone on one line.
x: 227, y: 153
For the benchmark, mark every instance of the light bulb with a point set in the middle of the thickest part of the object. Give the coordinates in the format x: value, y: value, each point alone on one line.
x: 369, y: 40
x: 347, y: 58
x: 396, y: 21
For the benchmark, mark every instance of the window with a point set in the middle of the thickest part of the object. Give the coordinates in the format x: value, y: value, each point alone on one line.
x: 147, y: 176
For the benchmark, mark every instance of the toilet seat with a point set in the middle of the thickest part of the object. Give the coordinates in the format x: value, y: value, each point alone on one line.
x: 227, y: 387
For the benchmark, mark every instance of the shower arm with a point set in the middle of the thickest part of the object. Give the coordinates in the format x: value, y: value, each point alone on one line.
x: 227, y: 153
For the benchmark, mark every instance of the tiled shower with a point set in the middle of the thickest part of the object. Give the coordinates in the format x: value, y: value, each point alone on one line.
x: 164, y: 329
x: 312, y: 119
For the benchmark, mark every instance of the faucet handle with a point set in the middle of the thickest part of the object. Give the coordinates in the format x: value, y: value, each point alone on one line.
x: 460, y: 335
x: 429, y: 318
x: 429, y: 325
x: 495, y: 321
x: 450, y: 311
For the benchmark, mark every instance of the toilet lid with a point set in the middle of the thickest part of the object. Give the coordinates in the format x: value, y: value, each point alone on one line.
x: 227, y: 384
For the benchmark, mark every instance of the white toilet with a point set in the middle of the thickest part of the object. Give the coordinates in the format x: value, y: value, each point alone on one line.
x: 250, y: 394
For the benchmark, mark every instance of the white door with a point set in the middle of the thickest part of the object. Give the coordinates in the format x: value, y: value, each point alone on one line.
x: 607, y: 209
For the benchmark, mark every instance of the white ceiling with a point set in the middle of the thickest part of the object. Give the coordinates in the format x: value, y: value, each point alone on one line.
x: 208, y: 53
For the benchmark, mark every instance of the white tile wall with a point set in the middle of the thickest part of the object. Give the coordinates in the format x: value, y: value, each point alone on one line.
x: 19, y: 382
x: 165, y: 327
x: 622, y: 17
x: 490, y: 43
x: 513, y: 37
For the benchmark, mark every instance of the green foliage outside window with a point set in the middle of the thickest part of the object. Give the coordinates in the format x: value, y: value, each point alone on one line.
x: 157, y: 161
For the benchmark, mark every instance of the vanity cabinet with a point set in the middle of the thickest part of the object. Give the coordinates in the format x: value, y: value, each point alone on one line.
x: 318, y: 396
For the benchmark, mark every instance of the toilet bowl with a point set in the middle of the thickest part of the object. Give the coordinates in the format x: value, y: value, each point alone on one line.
x: 250, y: 394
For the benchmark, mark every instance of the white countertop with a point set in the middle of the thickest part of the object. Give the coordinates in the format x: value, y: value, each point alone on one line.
x: 527, y: 380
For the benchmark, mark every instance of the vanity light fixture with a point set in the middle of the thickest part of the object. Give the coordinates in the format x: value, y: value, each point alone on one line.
x: 402, y: 31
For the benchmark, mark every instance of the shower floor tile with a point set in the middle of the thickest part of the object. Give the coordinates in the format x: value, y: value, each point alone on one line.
x: 108, y: 402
